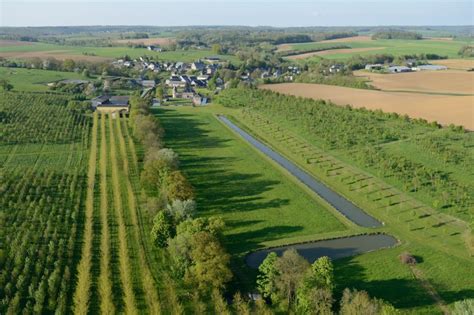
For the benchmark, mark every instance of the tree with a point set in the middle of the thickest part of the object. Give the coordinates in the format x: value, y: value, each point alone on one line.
x: 240, y: 306
x: 267, y: 274
x: 182, y: 209
x: 315, y: 291
x: 69, y: 65
x: 355, y: 302
x: 291, y: 270
x: 160, y: 92
x: 217, y: 49
x: 178, y: 187
x: 162, y: 229
x: 211, y: 262
x: 6, y: 86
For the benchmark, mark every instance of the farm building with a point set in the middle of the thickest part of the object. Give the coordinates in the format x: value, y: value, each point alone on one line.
x: 398, y: 69
x: 429, y: 68
x: 376, y: 66
x: 106, y: 103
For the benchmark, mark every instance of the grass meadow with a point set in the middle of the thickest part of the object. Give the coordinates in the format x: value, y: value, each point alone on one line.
x: 395, y: 47
x: 35, y: 80
x: 263, y: 206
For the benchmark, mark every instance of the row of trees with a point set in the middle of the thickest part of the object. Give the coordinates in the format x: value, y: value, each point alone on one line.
x: 293, y: 285
x: 396, y: 34
x: 193, y: 246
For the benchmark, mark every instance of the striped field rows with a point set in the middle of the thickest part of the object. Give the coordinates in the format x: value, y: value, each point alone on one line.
x: 124, y: 282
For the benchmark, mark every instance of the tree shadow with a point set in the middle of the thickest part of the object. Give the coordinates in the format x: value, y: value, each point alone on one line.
x: 402, y: 293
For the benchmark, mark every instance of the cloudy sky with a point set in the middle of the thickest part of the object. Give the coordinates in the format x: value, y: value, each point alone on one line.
x: 236, y: 12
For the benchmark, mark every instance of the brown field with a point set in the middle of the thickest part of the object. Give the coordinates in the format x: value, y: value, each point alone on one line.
x: 332, y: 52
x: 8, y: 42
x: 147, y: 41
x: 458, y: 110
x: 459, y: 64
x: 359, y: 38
x: 447, y: 81
x: 57, y: 54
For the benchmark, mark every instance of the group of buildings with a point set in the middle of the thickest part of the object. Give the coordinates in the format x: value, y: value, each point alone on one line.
x: 406, y: 68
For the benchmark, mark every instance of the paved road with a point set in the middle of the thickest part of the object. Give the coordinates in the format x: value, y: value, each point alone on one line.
x: 344, y: 206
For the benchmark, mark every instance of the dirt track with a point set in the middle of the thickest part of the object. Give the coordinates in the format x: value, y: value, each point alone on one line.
x: 446, y: 81
x: 458, y: 110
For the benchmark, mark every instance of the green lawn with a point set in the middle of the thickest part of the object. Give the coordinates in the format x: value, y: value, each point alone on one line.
x: 115, y: 52
x: 34, y: 80
x: 395, y: 47
x: 259, y: 203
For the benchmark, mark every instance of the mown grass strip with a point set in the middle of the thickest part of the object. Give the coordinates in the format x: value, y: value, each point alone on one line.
x: 82, y: 293
x: 105, y: 285
x: 124, y: 258
x: 149, y: 287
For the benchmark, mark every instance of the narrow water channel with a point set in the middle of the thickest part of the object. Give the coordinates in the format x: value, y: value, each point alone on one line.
x: 335, y: 248
x: 344, y: 206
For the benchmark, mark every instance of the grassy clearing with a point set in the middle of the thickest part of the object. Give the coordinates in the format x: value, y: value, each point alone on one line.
x: 35, y: 80
x: 258, y: 202
x: 82, y: 294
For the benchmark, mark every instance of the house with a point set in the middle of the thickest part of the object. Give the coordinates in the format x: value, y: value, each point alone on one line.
x: 197, y: 66
x: 199, y: 100
x: 398, y: 69
x: 148, y: 84
x: 429, y: 68
x: 212, y: 59
x: 111, y: 104
x: 175, y: 81
x: 376, y: 66
x: 154, y: 48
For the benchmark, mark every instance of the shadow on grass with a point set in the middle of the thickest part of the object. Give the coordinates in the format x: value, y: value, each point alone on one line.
x: 401, y: 293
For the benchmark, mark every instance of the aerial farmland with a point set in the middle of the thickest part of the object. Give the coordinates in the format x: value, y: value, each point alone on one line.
x: 235, y: 169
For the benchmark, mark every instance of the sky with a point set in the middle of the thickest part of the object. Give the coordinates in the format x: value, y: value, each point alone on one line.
x: 236, y: 12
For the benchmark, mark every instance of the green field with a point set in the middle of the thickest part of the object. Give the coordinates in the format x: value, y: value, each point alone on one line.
x: 394, y: 47
x: 52, y: 50
x: 216, y: 161
x: 259, y: 203
x: 35, y: 80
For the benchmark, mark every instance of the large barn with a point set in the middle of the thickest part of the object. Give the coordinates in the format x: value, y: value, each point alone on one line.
x: 107, y: 103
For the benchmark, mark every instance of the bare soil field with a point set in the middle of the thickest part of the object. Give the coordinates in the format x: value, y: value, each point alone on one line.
x: 57, y: 54
x: 332, y: 52
x: 8, y: 42
x: 359, y: 38
x: 147, y: 41
x: 447, y: 81
x: 459, y: 64
x: 458, y: 110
